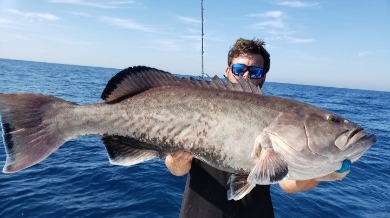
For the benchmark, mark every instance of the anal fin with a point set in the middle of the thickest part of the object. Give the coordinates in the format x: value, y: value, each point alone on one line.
x: 239, y: 187
x: 126, y: 151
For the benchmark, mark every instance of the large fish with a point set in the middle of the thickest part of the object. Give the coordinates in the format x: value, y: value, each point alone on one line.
x: 149, y: 113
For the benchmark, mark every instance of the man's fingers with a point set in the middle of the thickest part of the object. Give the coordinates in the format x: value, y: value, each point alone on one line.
x: 186, y: 156
x: 182, y: 155
x: 177, y: 154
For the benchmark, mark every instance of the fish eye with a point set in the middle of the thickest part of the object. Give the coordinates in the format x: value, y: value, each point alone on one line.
x: 333, y: 119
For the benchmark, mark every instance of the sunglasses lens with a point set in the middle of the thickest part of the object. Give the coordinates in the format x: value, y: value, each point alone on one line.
x: 256, y: 72
x: 238, y: 69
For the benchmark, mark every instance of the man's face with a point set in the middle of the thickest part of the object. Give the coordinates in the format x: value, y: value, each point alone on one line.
x: 249, y: 60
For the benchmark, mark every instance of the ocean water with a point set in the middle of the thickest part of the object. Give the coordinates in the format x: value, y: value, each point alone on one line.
x: 78, y: 181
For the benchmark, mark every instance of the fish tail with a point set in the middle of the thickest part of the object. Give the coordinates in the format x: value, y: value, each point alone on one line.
x: 29, y: 133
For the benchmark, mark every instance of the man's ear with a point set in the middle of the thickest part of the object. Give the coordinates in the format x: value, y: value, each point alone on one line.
x: 227, y: 71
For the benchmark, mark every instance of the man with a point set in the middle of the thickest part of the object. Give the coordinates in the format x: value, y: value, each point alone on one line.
x: 206, y: 189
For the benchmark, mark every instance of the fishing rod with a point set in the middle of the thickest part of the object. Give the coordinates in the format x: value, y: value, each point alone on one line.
x: 201, y: 5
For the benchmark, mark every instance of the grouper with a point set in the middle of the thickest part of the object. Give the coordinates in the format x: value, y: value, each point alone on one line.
x: 149, y: 113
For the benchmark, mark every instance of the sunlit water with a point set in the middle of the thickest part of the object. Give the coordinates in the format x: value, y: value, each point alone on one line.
x: 78, y: 181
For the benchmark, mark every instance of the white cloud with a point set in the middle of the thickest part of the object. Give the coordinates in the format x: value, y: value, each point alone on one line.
x: 298, y: 4
x: 69, y: 41
x: 270, y: 14
x: 274, y: 14
x: 16, y: 36
x: 121, y: 2
x: 192, y: 37
x: 364, y: 53
x: 81, y: 14
x: 270, y: 24
x: 194, y: 31
x: 298, y: 40
x: 189, y: 20
x: 105, y: 4
x: 274, y: 24
x: 6, y: 22
x: 270, y: 20
x: 127, y: 24
x: 166, y: 45
x: 32, y: 16
x: 9, y: 24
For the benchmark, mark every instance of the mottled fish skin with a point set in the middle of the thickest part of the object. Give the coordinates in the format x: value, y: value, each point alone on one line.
x: 149, y: 113
x: 179, y: 118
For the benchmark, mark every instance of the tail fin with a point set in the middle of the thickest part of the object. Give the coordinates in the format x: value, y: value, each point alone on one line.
x: 29, y: 135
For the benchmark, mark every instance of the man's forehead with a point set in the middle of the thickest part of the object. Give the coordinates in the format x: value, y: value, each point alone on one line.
x: 249, y: 59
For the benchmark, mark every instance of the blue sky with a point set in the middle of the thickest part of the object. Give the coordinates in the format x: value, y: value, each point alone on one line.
x: 327, y: 43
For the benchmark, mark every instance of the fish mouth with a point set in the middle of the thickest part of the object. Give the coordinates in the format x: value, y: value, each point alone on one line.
x: 349, y: 138
x: 359, y: 136
x: 359, y: 142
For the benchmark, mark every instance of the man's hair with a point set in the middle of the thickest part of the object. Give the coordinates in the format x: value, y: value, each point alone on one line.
x: 245, y: 46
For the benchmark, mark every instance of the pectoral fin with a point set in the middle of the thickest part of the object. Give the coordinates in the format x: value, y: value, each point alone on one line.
x: 239, y: 187
x: 271, y: 168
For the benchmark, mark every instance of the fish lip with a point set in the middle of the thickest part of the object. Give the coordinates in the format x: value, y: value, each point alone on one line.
x: 360, y: 136
x: 355, y: 143
x: 363, y: 146
x: 362, y: 143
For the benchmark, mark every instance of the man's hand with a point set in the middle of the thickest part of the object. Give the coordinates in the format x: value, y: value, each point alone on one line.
x: 292, y: 186
x: 179, y: 163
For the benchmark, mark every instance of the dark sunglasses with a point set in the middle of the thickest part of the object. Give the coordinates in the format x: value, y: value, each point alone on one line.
x: 254, y: 72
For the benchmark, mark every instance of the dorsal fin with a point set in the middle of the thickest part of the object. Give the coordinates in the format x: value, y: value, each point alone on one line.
x: 134, y: 80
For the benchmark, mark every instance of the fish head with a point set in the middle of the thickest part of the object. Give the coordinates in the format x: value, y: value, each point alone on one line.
x: 315, y: 143
x: 335, y: 137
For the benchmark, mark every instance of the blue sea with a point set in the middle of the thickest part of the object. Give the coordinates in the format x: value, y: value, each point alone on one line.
x: 78, y: 181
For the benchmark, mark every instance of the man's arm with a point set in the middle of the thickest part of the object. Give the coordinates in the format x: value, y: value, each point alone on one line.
x: 179, y: 163
x: 293, y: 186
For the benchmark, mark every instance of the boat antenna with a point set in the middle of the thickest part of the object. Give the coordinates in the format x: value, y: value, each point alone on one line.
x: 201, y: 5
